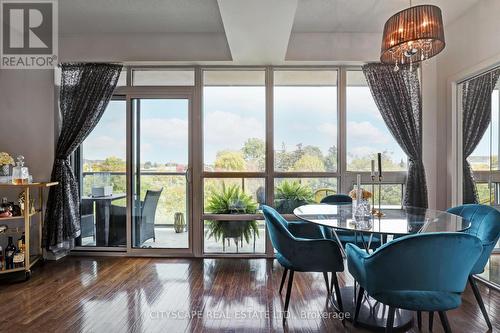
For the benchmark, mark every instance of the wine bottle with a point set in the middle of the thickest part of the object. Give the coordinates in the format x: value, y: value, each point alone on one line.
x: 10, y: 250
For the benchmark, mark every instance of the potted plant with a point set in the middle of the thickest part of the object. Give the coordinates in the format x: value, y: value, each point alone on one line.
x: 290, y: 195
x: 231, y: 200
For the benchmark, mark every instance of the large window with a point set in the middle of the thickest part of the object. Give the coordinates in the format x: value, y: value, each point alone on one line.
x: 305, y: 137
x: 367, y: 135
x: 305, y: 121
x: 208, y: 146
x: 484, y: 160
x: 366, y: 131
x: 234, y: 129
x: 234, y: 113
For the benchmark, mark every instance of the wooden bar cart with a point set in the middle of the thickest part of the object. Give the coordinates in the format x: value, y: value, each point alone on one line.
x: 27, y: 216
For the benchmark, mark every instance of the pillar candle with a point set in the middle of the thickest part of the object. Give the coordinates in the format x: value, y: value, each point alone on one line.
x: 373, y: 168
x: 379, y: 157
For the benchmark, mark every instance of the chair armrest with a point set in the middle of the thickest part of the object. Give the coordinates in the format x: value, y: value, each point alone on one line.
x: 356, y: 258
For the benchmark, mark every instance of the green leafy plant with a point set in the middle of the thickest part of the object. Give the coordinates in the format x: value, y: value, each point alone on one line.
x: 291, y: 194
x: 231, y: 200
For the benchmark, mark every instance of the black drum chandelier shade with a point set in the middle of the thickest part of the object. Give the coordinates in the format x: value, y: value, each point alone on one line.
x: 412, y: 35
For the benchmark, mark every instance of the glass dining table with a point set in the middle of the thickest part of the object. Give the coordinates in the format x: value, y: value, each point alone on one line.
x: 393, y: 223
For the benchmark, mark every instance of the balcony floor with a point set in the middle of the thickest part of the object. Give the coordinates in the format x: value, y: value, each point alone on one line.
x: 167, y: 238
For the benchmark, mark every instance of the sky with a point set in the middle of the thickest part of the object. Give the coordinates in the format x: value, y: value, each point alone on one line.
x: 306, y: 115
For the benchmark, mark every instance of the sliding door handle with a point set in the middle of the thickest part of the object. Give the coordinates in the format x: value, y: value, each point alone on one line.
x: 188, y: 175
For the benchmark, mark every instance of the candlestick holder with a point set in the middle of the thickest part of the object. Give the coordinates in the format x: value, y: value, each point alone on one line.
x: 378, y: 212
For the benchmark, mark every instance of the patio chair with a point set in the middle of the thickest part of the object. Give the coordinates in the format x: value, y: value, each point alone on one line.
x: 144, y: 223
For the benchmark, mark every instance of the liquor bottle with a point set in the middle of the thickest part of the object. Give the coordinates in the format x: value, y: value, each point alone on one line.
x: 20, y: 174
x: 10, y: 250
x: 21, y: 243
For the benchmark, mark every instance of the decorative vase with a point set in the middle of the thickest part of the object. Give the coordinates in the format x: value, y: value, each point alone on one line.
x: 179, y: 222
x: 4, y: 170
x: 361, y: 209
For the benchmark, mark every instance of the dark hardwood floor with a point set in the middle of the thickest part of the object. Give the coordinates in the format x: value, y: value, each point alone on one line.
x: 105, y: 294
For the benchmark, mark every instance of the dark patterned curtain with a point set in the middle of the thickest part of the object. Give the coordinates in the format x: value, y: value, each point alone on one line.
x: 476, y: 113
x: 84, y: 94
x: 397, y: 96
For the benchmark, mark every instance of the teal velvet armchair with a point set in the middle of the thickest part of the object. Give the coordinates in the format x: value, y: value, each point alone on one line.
x: 419, y: 272
x: 485, y: 224
x: 298, y: 254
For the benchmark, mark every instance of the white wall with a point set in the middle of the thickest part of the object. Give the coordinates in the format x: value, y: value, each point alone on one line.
x: 472, y: 43
x: 27, y: 118
x: 27, y: 122
x: 429, y: 129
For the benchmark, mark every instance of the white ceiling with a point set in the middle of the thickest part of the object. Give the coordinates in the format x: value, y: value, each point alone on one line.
x: 363, y: 15
x: 236, y: 31
x: 136, y: 16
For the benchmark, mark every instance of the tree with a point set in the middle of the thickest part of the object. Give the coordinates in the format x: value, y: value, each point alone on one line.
x: 230, y: 161
x: 309, y: 163
x: 254, y: 152
x: 287, y: 160
x: 283, y: 160
x: 312, y: 151
x: 331, y: 159
x: 111, y: 163
x: 363, y: 163
x: 253, y: 148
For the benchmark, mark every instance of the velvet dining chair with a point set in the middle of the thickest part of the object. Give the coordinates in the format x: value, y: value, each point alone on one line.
x: 298, y: 254
x: 337, y: 199
x: 485, y: 224
x: 420, y: 272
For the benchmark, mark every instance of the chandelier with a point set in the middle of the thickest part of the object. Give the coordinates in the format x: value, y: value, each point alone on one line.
x: 412, y: 35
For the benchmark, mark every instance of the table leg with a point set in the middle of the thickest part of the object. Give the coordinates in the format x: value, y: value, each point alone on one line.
x: 370, y: 241
x: 102, y: 222
x: 342, y: 250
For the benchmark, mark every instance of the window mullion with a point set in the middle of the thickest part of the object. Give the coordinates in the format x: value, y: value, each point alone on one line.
x: 269, y: 83
x: 342, y: 125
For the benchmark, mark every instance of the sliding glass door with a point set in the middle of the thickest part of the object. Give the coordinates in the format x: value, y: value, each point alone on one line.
x: 102, y: 166
x: 160, y: 173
